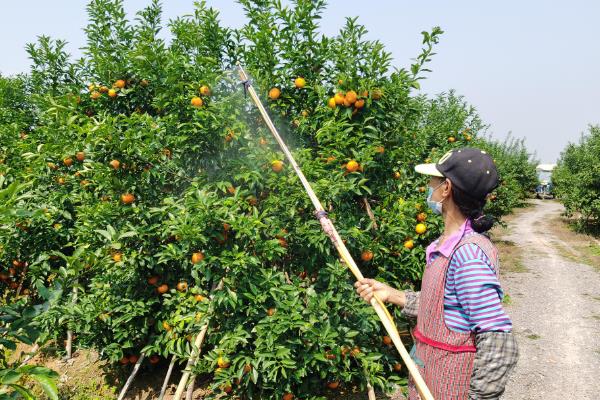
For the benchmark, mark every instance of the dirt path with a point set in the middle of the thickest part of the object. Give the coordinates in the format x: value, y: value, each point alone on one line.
x: 555, y: 307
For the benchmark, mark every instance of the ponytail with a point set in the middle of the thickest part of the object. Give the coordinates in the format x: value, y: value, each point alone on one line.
x: 473, y: 210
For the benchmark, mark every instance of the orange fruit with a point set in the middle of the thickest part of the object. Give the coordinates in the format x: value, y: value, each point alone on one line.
x: 421, y: 217
x: 52, y: 166
x: 247, y: 368
x: 352, y: 166
x: 154, y: 359
x: 277, y: 166
x: 231, y: 190
x: 422, y: 189
x: 282, y: 242
x: 377, y: 94
x: 182, y: 286
x: 347, y: 103
x: 409, y: 244
x: 226, y: 226
x: 271, y: 311
x: 162, y: 289
x: 95, y: 95
x: 222, y: 362
x: 386, y: 340
x: 80, y: 156
x: 61, y: 180
x: 152, y: 280
x: 451, y: 139
x: 199, y: 297
x: 299, y: 82
x: 366, y: 255
x: 380, y: 149
x: 331, y: 103
x: 262, y: 141
x: 397, y: 367
x: 329, y: 355
x: 196, y: 102
x: 339, y: 98
x: 124, y: 360
x: 397, y: 175
x: 91, y: 87
x: 330, y: 159
x: 360, y: 103
x: 227, y: 388
x: 468, y: 138
x: 274, y: 93
x: 103, y: 89
x: 127, y: 198
x: 197, y: 257
x: 420, y: 228
x: 365, y: 93
x: 133, y: 359
x: 120, y: 83
x: 166, y: 326
x: 288, y: 396
x: 117, y: 257
x: 115, y: 164
x: 144, y: 82
x: 333, y: 385
x: 304, y: 113
x: 112, y: 93
x: 351, y: 97
x: 68, y: 161
x: 204, y: 90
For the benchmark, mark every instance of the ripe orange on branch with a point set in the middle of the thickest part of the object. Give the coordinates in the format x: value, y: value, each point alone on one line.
x: 274, y: 93
x: 120, y: 83
x: 420, y: 228
x: 300, y: 82
x: 204, y: 90
x: 127, y: 198
x: 277, y: 166
x: 197, y: 257
x: 196, y: 102
x: 366, y: 255
x: 352, y: 166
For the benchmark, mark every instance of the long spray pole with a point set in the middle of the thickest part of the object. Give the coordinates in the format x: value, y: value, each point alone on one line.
x: 330, y: 230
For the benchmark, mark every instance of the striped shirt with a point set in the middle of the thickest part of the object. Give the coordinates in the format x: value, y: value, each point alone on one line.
x: 473, y: 295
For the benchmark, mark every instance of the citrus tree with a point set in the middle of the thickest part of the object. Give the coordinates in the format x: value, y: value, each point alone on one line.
x: 157, y: 181
x: 575, y: 178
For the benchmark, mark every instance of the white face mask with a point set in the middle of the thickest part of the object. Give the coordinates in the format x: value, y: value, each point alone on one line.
x: 435, y: 206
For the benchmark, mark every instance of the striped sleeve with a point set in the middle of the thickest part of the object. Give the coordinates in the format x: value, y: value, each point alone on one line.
x: 477, y: 304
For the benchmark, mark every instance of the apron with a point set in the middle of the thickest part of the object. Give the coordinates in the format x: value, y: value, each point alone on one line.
x: 444, y: 357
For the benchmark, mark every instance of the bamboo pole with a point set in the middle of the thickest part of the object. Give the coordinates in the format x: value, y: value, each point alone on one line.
x: 190, y: 389
x: 163, y: 389
x: 69, y: 346
x: 191, y: 362
x: 330, y: 230
x: 136, y: 368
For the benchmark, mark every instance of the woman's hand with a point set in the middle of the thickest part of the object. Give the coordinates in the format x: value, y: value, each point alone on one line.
x: 366, y: 288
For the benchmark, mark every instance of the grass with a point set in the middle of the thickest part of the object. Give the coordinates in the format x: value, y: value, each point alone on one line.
x: 533, y: 336
x: 577, y: 247
x: 511, y: 256
x: 507, y: 300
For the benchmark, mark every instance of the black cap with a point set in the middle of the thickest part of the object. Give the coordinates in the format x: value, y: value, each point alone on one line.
x: 471, y: 170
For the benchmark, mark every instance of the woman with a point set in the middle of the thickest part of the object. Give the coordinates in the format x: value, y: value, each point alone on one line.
x: 464, y: 347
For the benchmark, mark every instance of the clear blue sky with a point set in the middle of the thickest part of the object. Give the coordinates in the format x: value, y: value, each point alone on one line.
x: 531, y: 67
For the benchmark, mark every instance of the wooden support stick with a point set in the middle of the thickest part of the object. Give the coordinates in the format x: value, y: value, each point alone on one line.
x: 167, y: 377
x: 136, y: 368
x: 195, y: 354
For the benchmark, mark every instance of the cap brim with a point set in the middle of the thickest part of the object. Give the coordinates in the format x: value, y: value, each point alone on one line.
x: 428, y: 169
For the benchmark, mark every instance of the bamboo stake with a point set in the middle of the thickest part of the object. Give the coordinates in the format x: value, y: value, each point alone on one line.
x: 70, y: 332
x: 191, y: 362
x: 330, y: 230
x: 190, y: 389
x: 131, y: 377
x: 167, y: 377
